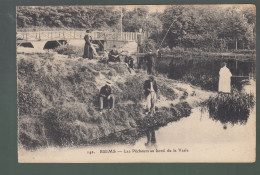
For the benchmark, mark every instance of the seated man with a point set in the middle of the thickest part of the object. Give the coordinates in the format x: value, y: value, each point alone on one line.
x: 113, y: 55
x: 106, y: 97
x: 150, y: 90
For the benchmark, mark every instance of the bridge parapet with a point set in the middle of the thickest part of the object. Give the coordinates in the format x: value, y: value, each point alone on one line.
x: 66, y: 35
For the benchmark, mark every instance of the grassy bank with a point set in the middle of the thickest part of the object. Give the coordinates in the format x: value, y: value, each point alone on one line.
x: 58, y: 101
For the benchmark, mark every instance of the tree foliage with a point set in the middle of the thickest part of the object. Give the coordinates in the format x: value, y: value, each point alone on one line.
x: 208, y: 27
x: 69, y: 17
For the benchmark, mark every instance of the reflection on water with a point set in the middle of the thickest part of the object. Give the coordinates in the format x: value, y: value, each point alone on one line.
x: 199, y: 128
x: 151, y: 140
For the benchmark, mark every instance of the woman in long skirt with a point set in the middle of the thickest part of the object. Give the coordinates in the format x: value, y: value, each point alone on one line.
x: 88, y: 51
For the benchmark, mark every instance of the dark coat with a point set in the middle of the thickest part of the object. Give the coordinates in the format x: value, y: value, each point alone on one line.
x: 105, y: 91
x: 88, y: 52
x: 150, y: 58
x: 113, y: 56
x: 130, y: 61
x: 88, y: 39
x: 147, y: 87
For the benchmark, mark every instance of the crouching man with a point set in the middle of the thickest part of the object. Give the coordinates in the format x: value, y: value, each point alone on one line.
x: 106, y: 97
x: 129, y: 62
x: 150, y: 90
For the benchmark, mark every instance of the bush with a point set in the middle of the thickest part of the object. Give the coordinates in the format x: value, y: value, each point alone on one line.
x: 230, y: 108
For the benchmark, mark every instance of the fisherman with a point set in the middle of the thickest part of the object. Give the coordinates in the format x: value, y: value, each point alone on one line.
x: 106, y: 97
x: 150, y: 90
x: 140, y: 59
x: 159, y: 54
x: 88, y: 51
x: 225, y: 75
x: 114, y: 55
x: 129, y: 62
x: 150, y: 58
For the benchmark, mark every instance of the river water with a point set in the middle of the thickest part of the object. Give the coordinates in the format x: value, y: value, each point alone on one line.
x: 198, y: 128
x: 196, y: 138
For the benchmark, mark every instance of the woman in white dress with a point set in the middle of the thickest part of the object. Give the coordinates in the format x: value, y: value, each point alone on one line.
x: 225, y: 75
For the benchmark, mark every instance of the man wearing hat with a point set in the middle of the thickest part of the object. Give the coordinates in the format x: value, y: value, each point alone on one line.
x: 88, y: 51
x: 106, y: 97
x: 114, y: 55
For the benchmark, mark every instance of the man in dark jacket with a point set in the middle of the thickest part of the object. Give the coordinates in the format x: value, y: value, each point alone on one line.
x: 88, y: 51
x: 129, y: 62
x: 150, y: 91
x: 150, y: 58
x: 106, y: 97
x: 113, y: 55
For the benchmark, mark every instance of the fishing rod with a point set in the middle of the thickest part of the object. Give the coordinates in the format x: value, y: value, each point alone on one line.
x: 166, y: 34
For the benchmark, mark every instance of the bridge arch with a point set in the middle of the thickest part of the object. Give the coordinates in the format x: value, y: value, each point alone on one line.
x: 41, y: 45
x: 54, y: 44
x: 26, y: 44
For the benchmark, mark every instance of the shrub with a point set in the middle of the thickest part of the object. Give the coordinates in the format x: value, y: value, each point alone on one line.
x: 230, y: 108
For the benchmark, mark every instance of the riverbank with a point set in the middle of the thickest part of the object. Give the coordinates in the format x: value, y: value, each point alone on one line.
x: 58, y: 104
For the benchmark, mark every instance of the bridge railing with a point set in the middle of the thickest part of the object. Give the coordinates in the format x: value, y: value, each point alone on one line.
x: 60, y: 35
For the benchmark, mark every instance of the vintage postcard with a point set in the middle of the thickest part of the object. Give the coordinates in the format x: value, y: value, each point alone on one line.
x: 136, y: 83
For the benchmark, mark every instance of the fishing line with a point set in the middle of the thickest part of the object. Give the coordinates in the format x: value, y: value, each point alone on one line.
x: 166, y: 34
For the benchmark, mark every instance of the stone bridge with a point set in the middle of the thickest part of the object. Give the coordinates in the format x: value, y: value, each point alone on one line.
x: 41, y: 39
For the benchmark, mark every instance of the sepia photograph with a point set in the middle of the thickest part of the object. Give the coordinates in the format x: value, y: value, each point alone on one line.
x: 136, y: 83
